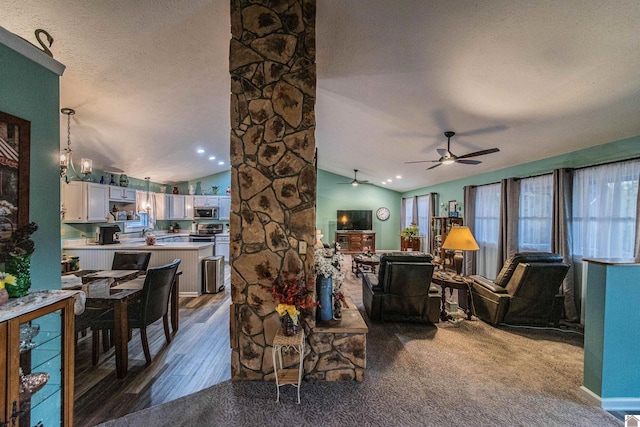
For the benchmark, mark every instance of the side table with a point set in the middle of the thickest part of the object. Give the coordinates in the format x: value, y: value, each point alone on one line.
x: 290, y: 376
x: 447, y: 280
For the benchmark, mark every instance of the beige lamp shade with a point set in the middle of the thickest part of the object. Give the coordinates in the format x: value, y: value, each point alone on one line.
x: 460, y: 239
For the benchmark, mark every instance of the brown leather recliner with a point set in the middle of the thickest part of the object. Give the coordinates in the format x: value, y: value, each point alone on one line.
x: 526, y: 291
x: 402, y: 290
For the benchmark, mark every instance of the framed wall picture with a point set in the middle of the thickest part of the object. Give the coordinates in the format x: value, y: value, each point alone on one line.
x: 15, y: 143
x: 453, y: 208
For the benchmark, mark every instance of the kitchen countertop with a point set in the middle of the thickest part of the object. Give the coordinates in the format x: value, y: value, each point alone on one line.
x: 188, y: 246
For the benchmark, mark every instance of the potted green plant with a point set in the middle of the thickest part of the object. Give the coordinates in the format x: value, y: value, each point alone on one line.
x: 410, y: 238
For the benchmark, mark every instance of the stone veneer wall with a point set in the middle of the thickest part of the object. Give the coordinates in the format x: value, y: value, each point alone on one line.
x: 273, y: 176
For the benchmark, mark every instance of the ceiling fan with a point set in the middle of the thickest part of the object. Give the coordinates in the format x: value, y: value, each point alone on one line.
x: 356, y: 181
x: 447, y: 157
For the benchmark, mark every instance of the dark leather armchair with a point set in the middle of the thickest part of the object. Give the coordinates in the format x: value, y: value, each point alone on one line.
x: 153, y: 305
x: 131, y: 261
x: 526, y: 291
x: 402, y: 290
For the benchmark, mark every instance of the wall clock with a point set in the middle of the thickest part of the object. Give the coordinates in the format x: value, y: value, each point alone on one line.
x: 383, y: 214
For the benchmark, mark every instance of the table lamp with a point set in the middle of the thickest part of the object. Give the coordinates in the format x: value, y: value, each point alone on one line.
x: 460, y: 239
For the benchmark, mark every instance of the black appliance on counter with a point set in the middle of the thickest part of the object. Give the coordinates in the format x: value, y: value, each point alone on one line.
x: 108, y: 234
x: 206, y: 233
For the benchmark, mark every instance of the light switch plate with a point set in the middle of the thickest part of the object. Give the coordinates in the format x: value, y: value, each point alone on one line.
x: 302, y: 247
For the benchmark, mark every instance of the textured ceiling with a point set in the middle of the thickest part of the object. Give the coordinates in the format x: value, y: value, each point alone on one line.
x: 149, y: 82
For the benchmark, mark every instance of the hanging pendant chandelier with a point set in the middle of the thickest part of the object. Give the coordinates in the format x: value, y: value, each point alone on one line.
x: 66, y: 157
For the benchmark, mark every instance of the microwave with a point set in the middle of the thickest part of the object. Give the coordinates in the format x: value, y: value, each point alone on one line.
x: 205, y: 213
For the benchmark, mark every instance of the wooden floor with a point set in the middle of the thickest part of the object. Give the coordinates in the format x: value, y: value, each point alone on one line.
x: 198, y: 357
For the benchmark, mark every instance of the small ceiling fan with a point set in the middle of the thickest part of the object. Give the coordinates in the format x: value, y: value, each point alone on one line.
x: 356, y: 181
x: 447, y: 157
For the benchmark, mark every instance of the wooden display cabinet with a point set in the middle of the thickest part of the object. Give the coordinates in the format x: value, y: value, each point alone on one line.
x: 50, y: 351
x: 440, y: 226
x: 356, y: 241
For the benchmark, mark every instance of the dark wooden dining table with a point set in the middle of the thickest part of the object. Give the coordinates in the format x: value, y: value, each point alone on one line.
x: 118, y: 293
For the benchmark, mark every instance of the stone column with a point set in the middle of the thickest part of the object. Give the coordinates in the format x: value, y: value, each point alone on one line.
x: 273, y: 176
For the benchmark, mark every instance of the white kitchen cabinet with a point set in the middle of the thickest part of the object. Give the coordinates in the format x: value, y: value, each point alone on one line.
x: 188, y: 207
x: 84, y: 202
x: 162, y: 210
x: 173, y: 206
x: 222, y: 246
x: 205, y: 201
x: 224, y: 207
x: 177, y: 207
x: 122, y: 194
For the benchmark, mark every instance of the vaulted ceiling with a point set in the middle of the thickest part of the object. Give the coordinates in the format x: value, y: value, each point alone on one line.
x: 149, y: 82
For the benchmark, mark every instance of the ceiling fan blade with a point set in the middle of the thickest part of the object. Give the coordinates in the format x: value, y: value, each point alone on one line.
x: 480, y: 153
x: 468, y: 162
x: 443, y: 152
x: 363, y: 182
x: 422, y: 161
x: 434, y: 166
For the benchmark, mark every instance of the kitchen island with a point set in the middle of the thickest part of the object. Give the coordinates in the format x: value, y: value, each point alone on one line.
x: 191, y: 254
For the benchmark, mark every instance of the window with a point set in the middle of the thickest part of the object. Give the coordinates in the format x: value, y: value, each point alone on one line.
x: 423, y: 215
x: 604, y: 210
x: 407, y: 212
x: 487, y: 223
x: 536, y: 210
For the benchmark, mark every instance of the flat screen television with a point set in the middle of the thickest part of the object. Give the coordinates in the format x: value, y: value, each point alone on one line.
x: 354, y: 220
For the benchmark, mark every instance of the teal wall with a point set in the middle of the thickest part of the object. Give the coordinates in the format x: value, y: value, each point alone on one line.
x: 618, y: 150
x: 222, y: 180
x: 31, y: 92
x: 332, y: 196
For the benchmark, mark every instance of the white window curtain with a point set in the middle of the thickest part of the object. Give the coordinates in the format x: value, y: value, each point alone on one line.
x: 424, y: 219
x: 486, y: 226
x: 145, y: 204
x: 535, y: 213
x: 407, y: 212
x: 604, y: 210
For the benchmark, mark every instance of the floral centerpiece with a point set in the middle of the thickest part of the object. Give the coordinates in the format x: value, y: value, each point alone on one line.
x: 292, y: 295
x: 5, y: 279
x: 17, y: 253
x: 328, y: 266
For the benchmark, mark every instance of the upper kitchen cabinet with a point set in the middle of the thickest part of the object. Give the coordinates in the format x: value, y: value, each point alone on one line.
x: 205, y: 201
x: 84, y: 202
x: 224, y: 207
x: 122, y: 194
x: 173, y: 206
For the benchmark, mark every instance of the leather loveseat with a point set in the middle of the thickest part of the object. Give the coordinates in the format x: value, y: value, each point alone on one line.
x: 401, y: 290
x: 526, y: 291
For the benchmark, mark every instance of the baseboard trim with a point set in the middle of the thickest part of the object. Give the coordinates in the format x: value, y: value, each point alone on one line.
x: 612, y: 403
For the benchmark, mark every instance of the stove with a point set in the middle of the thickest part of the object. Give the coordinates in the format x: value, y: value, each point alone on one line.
x: 206, y: 233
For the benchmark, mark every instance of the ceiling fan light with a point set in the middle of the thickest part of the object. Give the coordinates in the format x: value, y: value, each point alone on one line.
x: 354, y: 183
x: 448, y: 161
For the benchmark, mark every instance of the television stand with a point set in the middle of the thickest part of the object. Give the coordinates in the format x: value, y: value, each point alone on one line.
x: 352, y: 242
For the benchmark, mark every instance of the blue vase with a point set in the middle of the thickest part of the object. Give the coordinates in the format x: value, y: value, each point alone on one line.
x: 324, y: 290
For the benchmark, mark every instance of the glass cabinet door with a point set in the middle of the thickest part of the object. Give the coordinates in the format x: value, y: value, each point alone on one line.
x: 41, y: 370
x: 39, y: 365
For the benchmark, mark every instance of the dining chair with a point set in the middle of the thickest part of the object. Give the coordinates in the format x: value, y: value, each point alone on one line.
x: 131, y: 261
x: 84, y: 319
x: 153, y: 305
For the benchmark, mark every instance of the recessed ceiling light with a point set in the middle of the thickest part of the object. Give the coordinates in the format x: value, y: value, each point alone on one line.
x: 389, y: 180
x: 200, y: 150
x: 384, y: 182
x: 221, y: 162
x: 212, y: 157
x: 398, y: 177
